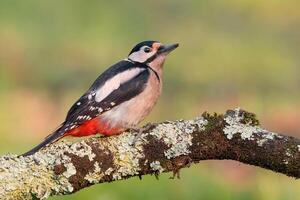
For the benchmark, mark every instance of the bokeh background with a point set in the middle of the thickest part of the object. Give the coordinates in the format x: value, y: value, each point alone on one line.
x: 233, y: 53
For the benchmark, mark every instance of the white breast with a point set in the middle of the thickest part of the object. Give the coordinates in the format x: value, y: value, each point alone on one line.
x: 130, y: 113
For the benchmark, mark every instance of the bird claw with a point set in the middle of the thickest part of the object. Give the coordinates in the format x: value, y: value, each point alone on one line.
x: 176, y: 174
x: 178, y: 163
x: 140, y: 176
x: 140, y: 131
x: 156, y: 174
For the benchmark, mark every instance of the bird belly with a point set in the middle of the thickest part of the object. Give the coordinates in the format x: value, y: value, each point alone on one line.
x: 130, y: 113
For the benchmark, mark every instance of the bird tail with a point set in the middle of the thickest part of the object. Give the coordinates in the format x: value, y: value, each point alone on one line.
x: 57, y: 134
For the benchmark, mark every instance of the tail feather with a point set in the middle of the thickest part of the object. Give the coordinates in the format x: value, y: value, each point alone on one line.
x: 49, y: 139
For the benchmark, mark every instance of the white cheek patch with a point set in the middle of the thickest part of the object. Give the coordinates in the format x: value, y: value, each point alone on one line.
x: 140, y: 56
x: 115, y: 82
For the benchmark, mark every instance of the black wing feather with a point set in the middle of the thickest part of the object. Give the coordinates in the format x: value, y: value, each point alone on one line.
x: 87, y: 106
x: 107, y: 74
x: 125, y: 92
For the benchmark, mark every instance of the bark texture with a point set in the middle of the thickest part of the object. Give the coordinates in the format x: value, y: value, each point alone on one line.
x: 64, y: 167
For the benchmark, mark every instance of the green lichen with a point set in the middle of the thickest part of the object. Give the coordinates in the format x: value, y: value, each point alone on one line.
x: 156, y: 167
x: 96, y: 175
x: 17, y: 174
x: 249, y: 118
x: 245, y: 125
x: 126, y: 156
x: 177, y: 141
x: 35, y: 175
x: 177, y: 135
x: 214, y: 121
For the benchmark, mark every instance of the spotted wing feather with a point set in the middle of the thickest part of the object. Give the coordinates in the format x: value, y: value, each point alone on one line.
x: 87, y: 108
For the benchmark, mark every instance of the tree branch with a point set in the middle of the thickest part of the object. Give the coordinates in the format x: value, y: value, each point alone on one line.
x: 64, y: 168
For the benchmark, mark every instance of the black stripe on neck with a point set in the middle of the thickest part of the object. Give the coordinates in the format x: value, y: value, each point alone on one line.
x: 147, y: 66
x: 156, y: 74
x: 149, y: 60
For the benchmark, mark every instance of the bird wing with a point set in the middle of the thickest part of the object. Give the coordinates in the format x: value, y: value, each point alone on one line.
x: 118, y: 84
x: 118, y: 89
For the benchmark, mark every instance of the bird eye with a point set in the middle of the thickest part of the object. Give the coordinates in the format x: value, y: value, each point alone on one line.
x: 147, y: 49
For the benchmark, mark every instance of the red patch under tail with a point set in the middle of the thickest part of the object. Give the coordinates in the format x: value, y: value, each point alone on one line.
x: 92, y: 127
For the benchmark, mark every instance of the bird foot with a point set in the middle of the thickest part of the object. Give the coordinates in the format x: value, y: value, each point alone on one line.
x: 140, y: 131
x: 178, y: 163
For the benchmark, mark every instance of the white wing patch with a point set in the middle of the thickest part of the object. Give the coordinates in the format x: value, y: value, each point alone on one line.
x: 115, y: 82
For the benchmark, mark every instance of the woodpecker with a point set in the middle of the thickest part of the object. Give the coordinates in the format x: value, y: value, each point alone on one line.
x: 120, y: 98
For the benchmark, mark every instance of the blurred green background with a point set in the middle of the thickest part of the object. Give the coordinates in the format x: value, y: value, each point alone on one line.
x: 233, y: 53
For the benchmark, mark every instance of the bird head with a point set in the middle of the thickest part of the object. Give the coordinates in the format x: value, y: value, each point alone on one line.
x: 151, y: 53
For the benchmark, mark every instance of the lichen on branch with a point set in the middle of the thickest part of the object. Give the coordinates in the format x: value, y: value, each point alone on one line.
x: 64, y: 167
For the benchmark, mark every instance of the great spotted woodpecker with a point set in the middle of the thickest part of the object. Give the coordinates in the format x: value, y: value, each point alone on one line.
x: 120, y: 97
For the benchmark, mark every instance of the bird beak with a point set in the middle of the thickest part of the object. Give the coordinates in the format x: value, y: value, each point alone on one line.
x: 165, y: 49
